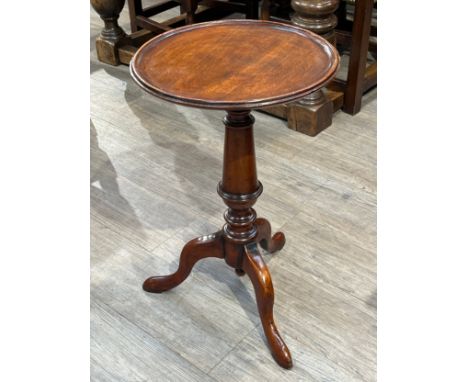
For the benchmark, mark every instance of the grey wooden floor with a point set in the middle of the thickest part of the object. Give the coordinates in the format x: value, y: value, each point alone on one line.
x: 154, y: 171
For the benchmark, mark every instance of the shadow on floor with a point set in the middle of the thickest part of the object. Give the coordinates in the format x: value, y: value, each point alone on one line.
x: 193, y: 162
x: 104, y: 185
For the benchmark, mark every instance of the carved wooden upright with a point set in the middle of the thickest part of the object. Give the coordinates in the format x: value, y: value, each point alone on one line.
x: 112, y: 34
x: 317, y: 16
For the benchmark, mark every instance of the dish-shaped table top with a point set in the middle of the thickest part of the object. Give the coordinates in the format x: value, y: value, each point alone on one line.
x: 234, y: 64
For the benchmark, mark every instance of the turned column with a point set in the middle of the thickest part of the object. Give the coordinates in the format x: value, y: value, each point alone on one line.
x: 112, y: 34
x: 239, y: 187
x: 193, y: 80
x: 314, y: 112
x: 317, y: 16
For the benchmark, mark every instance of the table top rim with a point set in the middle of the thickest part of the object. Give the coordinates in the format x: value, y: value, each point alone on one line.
x: 236, y: 105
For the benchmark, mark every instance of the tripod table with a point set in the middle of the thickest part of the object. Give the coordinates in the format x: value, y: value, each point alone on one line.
x: 235, y: 65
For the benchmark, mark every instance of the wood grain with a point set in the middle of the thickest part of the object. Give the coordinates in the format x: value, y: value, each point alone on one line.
x: 234, y: 64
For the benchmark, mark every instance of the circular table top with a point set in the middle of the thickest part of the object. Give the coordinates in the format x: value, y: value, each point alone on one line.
x: 234, y: 64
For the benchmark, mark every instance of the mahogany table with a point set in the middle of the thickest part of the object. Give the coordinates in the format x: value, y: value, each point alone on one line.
x: 235, y: 65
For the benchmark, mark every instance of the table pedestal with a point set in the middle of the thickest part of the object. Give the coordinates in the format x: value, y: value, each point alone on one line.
x: 237, y: 242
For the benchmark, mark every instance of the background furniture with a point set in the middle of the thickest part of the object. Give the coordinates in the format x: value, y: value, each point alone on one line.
x: 184, y: 67
x: 356, y: 36
x: 330, y: 19
x: 115, y: 47
x: 140, y: 17
x: 314, y: 113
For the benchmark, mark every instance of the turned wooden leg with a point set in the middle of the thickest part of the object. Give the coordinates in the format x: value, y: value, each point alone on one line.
x: 269, y: 243
x: 265, y: 10
x: 358, y: 57
x: 314, y: 113
x: 135, y: 8
x: 257, y: 270
x: 112, y: 34
x: 189, y: 7
x: 194, y: 250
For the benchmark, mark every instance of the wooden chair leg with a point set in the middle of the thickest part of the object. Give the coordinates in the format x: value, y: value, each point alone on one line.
x: 193, y: 251
x: 358, y: 56
x: 190, y: 17
x: 259, y: 274
x: 265, y: 10
x: 189, y: 7
x: 134, y: 9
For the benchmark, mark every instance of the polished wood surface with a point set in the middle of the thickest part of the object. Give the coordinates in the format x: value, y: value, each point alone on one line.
x: 309, y: 119
x: 112, y: 34
x: 174, y: 67
x: 317, y: 16
x: 234, y: 64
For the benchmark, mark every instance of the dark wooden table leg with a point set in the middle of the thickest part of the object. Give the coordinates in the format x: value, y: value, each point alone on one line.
x: 314, y: 113
x: 259, y: 274
x: 358, y: 57
x: 112, y: 35
x: 240, y: 189
x: 193, y: 251
x: 238, y: 240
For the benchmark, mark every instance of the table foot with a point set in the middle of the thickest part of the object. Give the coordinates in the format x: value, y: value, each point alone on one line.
x: 269, y: 243
x: 194, y: 250
x: 259, y: 274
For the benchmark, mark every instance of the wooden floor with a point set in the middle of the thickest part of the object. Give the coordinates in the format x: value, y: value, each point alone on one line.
x: 154, y: 172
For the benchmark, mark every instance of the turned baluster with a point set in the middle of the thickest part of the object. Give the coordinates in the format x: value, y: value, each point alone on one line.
x: 318, y: 17
x: 112, y: 34
x: 239, y: 187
